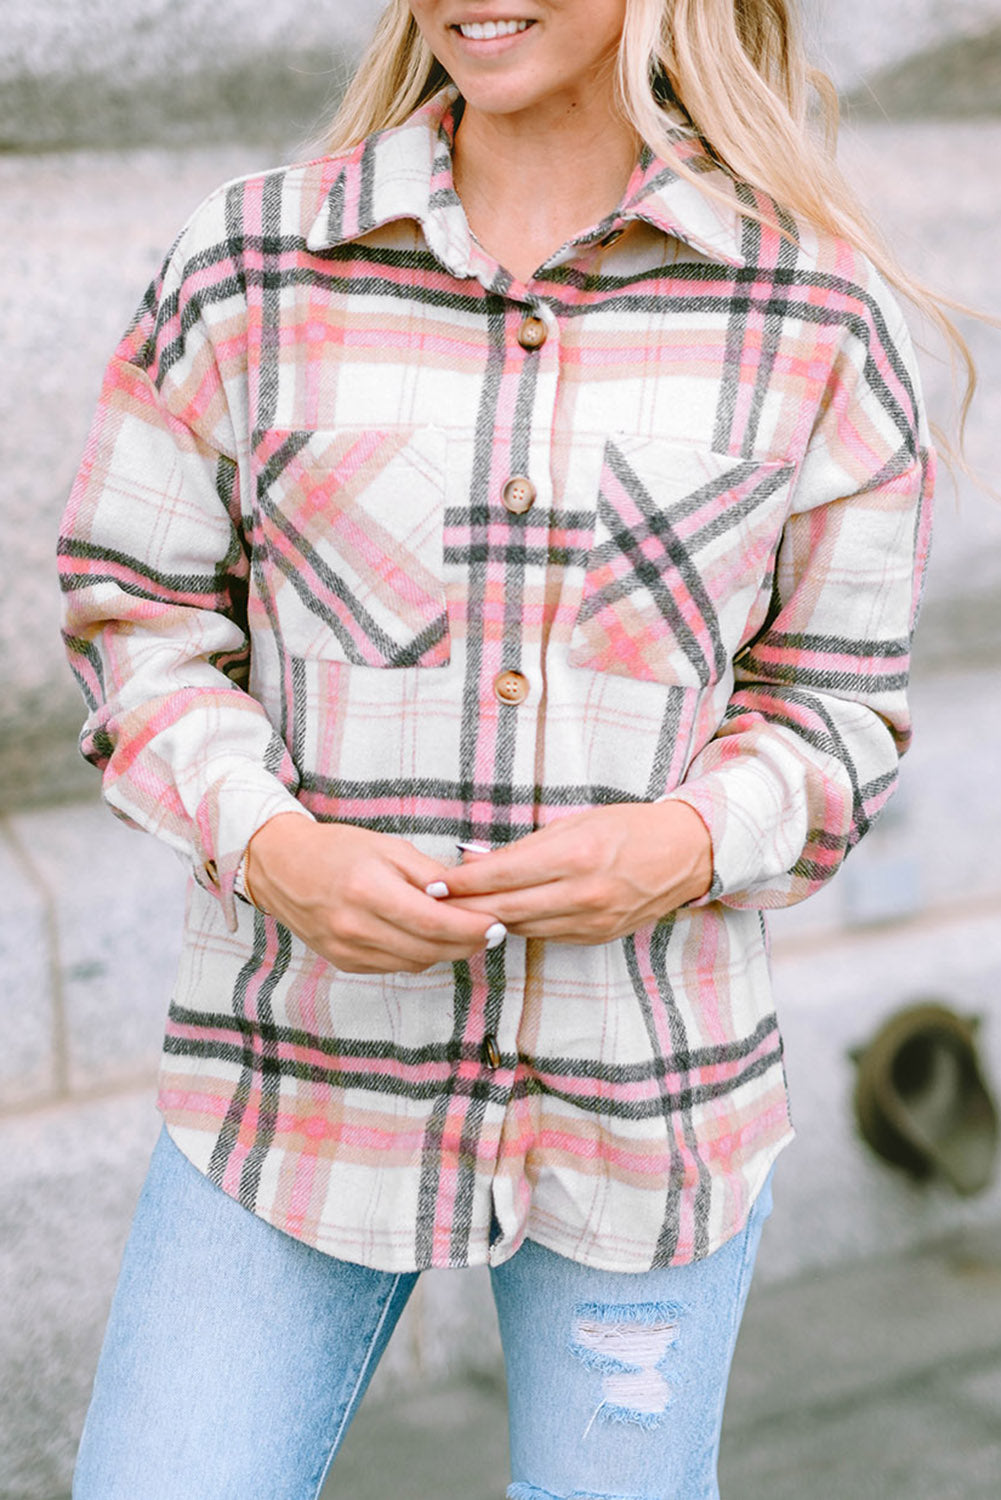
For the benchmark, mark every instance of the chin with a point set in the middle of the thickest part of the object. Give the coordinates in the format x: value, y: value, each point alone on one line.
x: 497, y: 101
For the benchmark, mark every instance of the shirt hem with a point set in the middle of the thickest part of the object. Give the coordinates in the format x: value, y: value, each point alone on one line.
x: 483, y: 1254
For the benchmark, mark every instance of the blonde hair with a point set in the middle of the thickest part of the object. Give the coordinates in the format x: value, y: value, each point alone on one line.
x: 738, y: 70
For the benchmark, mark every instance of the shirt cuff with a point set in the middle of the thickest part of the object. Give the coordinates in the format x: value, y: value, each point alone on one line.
x: 230, y: 816
x: 240, y: 882
x: 757, y: 829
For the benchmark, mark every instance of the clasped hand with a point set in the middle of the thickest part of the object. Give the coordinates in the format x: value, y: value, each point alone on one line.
x: 359, y: 899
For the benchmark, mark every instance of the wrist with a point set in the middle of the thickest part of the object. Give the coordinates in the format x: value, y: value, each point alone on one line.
x: 689, y: 840
x: 273, y: 841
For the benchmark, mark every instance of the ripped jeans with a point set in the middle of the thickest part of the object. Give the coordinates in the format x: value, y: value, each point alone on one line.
x: 236, y: 1356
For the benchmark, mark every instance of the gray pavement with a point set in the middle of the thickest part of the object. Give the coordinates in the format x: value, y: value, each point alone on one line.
x: 878, y: 1381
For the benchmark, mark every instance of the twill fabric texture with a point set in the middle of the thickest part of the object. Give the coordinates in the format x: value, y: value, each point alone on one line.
x: 291, y: 580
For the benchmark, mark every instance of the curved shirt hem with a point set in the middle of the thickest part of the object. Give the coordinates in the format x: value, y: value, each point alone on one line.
x: 561, y: 1244
x: 480, y: 1252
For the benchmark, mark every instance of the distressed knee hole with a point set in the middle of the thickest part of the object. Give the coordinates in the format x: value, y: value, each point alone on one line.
x: 630, y: 1347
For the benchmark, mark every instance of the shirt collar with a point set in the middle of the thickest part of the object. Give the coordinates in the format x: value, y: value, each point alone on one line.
x: 406, y: 173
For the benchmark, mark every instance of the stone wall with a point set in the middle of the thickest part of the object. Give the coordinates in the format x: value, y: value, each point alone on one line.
x: 100, y: 73
x: 857, y: 39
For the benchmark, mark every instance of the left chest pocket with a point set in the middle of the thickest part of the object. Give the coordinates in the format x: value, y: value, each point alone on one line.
x: 684, y: 546
x: 350, y: 546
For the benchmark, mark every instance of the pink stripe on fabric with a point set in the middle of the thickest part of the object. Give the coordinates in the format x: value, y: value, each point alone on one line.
x: 234, y: 1168
x: 652, y: 1161
x: 300, y: 1208
x: 713, y: 983
x: 174, y: 1101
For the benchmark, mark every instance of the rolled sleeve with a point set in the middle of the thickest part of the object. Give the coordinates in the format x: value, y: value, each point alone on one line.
x: 807, y: 754
x: 155, y: 572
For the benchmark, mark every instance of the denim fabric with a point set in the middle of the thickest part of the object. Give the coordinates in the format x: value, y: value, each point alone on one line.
x: 616, y: 1382
x: 235, y: 1357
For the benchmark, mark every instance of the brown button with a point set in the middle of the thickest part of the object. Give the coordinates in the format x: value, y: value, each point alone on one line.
x: 212, y: 871
x: 511, y: 687
x: 519, y: 495
x: 490, y: 1052
x: 533, y: 333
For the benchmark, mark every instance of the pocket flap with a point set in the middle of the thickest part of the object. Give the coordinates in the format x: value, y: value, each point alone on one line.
x: 351, y: 527
x: 684, y: 544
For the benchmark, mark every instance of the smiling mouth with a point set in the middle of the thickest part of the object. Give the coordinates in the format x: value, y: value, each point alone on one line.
x: 488, y: 31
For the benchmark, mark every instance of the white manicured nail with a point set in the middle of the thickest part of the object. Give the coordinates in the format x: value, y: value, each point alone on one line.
x: 495, y: 935
x: 473, y: 848
x: 438, y: 889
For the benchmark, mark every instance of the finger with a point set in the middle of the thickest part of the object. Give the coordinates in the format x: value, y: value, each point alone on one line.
x: 511, y: 869
x: 565, y: 931
x: 415, y: 912
x: 587, y: 928
x: 441, y: 924
x: 470, y: 851
x: 383, y: 941
x: 567, y: 899
x: 378, y: 946
x: 418, y: 869
x: 467, y: 854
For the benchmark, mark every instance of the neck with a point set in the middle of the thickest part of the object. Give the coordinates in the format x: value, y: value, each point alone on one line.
x: 531, y: 181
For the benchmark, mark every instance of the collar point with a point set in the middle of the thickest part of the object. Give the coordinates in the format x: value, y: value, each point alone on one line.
x: 318, y: 240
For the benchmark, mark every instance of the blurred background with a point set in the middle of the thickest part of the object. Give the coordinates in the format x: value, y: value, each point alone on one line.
x: 871, y: 1361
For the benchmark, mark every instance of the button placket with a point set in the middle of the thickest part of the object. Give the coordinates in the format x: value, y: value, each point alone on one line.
x: 519, y: 505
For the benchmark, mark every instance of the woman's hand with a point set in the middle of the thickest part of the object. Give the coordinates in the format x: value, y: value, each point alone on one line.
x: 358, y: 899
x: 592, y: 877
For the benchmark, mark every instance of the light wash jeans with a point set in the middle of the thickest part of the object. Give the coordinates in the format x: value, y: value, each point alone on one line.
x: 235, y: 1357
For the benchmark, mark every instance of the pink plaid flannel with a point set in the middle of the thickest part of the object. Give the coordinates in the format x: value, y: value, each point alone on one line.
x: 291, y: 580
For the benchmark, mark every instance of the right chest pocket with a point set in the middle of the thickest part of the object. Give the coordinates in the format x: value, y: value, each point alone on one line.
x: 684, y: 547
x: 348, y: 545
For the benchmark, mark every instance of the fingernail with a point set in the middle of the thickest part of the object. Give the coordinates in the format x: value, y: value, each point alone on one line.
x: 438, y: 889
x: 473, y: 848
x: 495, y: 935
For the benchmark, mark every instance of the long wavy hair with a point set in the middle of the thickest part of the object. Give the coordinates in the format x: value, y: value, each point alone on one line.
x: 738, y: 70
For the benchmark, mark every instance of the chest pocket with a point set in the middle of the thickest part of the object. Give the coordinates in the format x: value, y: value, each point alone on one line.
x: 684, y: 547
x: 349, y: 547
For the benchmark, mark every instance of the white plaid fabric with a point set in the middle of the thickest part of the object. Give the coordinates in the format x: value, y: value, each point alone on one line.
x: 291, y: 580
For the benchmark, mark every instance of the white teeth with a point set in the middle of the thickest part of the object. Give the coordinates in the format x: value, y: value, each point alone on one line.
x: 485, y: 31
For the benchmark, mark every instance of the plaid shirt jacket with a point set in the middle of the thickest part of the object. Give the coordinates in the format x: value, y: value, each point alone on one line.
x: 294, y: 567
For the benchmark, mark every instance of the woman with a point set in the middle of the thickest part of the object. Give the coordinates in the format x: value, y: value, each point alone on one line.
x: 541, y: 470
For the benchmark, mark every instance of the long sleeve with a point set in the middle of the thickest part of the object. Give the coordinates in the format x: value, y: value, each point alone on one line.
x: 808, y: 751
x: 155, y: 575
